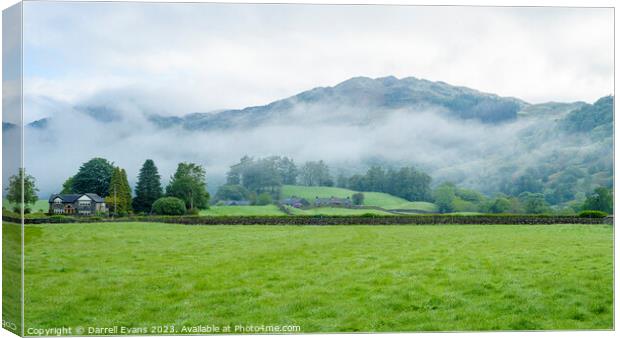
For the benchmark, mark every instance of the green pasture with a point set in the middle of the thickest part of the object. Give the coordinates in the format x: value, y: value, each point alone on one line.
x: 321, y: 278
x: 246, y: 210
x: 377, y: 199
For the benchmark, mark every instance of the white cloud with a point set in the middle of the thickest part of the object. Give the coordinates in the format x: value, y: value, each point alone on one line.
x: 201, y: 57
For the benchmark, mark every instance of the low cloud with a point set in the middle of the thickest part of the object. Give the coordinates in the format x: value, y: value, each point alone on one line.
x: 463, y: 151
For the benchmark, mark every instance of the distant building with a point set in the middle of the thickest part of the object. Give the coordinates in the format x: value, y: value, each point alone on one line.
x: 333, y: 202
x: 80, y: 204
x: 295, y: 202
x: 236, y: 203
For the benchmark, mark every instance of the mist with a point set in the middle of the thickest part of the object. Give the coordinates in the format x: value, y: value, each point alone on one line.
x: 466, y: 152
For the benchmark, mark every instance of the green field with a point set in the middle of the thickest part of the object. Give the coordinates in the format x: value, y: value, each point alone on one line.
x: 39, y: 206
x: 377, y: 199
x: 327, y: 211
x: 11, y: 276
x: 324, y: 279
x: 246, y: 210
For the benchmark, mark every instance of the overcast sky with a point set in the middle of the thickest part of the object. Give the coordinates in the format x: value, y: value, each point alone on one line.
x: 182, y: 58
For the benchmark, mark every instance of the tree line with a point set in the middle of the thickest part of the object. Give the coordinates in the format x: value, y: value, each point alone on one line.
x: 259, y: 181
x: 102, y: 177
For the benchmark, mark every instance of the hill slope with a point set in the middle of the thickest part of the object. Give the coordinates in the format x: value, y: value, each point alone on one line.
x: 377, y: 199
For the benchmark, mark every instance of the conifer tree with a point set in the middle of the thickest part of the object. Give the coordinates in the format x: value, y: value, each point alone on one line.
x: 148, y: 188
x: 119, y: 198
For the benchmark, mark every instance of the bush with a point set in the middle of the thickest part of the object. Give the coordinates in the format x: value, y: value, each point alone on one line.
x: 592, y: 214
x: 169, y: 206
x: 59, y: 219
x: 194, y: 212
x: 358, y: 198
x: 263, y: 199
x: 232, y: 192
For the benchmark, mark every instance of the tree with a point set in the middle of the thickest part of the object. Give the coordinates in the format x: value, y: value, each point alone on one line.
x: 407, y: 182
x: 316, y: 174
x: 22, y: 190
x: 148, y: 189
x: 358, y: 182
x: 189, y: 184
x: 375, y: 179
x: 67, y: 187
x: 534, y: 203
x: 286, y: 169
x: 527, y: 182
x: 236, y: 171
x: 263, y: 174
x: 119, y: 198
x: 342, y: 181
x: 601, y: 200
x: 93, y: 177
x: 232, y: 192
x: 263, y: 199
x: 444, y: 197
x: 358, y: 198
x: 500, y: 205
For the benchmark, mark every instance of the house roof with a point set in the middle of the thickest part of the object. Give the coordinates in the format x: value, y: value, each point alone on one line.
x: 95, y: 197
x: 292, y: 200
x: 70, y: 198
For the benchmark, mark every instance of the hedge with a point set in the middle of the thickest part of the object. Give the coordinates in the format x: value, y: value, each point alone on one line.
x: 592, y: 214
x: 329, y: 220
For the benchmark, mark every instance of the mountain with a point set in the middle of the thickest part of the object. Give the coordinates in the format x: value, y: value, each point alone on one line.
x: 455, y: 134
x: 594, y: 118
x: 360, y: 100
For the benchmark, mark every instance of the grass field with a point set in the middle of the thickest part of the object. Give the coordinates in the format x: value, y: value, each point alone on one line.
x: 246, y: 210
x: 324, y: 279
x: 327, y: 211
x: 39, y: 206
x: 377, y: 199
x: 11, y: 276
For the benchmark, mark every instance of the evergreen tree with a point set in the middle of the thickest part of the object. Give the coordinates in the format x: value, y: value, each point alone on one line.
x: 148, y: 188
x: 119, y: 198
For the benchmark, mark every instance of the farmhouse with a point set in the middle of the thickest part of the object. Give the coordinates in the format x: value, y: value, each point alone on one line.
x: 80, y: 204
x: 332, y: 202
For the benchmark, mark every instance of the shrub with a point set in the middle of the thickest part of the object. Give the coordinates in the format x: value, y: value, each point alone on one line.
x: 263, y: 199
x: 193, y: 212
x: 122, y: 213
x: 358, y: 198
x: 592, y: 214
x: 59, y: 219
x: 169, y: 206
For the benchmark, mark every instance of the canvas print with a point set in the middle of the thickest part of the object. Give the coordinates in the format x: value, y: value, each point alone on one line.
x: 213, y: 168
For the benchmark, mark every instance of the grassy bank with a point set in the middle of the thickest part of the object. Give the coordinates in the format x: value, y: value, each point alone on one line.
x: 324, y: 279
